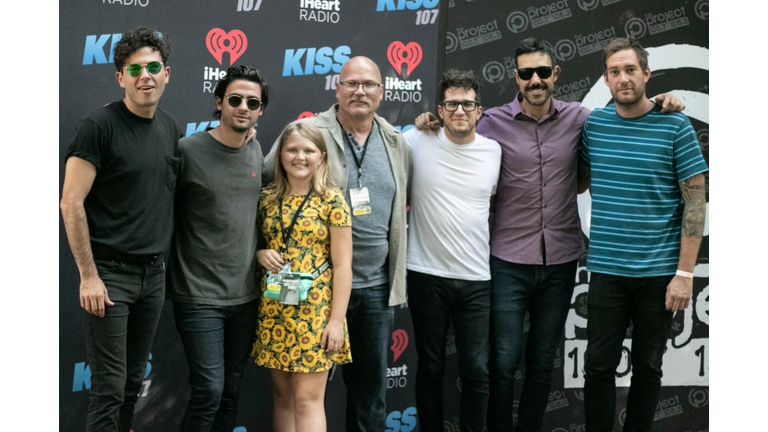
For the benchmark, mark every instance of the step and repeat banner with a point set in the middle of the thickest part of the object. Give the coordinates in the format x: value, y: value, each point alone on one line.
x: 482, y: 35
x: 299, y: 46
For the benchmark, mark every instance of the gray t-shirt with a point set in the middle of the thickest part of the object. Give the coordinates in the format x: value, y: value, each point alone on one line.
x: 214, y: 244
x: 370, y: 233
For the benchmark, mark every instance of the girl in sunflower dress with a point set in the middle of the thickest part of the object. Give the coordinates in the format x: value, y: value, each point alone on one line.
x: 305, y: 222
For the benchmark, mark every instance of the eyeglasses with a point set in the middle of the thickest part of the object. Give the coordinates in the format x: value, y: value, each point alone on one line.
x: 543, y: 72
x: 235, y: 101
x: 353, y: 85
x: 154, y: 68
x: 452, y: 106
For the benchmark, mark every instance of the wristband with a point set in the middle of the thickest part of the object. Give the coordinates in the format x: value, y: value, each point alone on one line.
x: 684, y: 274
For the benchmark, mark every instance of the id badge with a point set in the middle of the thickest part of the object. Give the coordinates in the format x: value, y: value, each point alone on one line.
x: 289, y: 294
x: 361, y: 202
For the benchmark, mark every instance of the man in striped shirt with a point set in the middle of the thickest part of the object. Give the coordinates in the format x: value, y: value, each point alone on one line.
x: 648, y: 209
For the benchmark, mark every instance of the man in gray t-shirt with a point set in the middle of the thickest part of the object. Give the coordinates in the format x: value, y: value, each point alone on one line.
x: 212, y: 267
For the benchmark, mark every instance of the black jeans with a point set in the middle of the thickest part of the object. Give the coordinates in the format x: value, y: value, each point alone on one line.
x: 545, y: 293
x: 119, y: 343
x: 613, y: 302
x: 217, y: 341
x: 370, y: 320
x: 436, y: 302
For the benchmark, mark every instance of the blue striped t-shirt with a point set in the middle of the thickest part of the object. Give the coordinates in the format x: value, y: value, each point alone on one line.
x: 637, y: 165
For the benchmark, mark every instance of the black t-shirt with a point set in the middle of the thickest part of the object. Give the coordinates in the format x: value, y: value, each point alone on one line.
x: 130, y: 205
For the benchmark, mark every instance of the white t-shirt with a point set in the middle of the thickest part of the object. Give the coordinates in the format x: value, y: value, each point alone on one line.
x: 448, y: 233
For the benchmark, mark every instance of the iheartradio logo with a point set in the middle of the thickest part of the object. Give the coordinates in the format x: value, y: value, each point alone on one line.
x: 219, y: 42
x: 399, y: 342
x: 402, y: 56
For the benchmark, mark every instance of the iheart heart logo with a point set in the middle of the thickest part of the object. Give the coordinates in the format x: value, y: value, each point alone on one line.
x: 218, y: 42
x: 399, y: 342
x: 399, y: 53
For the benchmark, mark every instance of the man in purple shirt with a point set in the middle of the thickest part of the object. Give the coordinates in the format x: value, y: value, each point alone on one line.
x: 536, y: 237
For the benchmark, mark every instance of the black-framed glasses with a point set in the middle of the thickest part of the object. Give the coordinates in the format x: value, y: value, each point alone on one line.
x: 368, y: 86
x: 543, y: 72
x: 235, y: 100
x: 154, y: 68
x: 452, y: 106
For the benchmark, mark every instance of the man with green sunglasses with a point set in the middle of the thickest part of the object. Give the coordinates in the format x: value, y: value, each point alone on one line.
x: 117, y: 206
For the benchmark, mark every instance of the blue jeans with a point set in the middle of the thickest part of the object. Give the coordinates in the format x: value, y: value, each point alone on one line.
x: 612, y: 303
x: 119, y: 343
x: 436, y: 302
x: 370, y: 320
x: 217, y: 341
x: 545, y: 293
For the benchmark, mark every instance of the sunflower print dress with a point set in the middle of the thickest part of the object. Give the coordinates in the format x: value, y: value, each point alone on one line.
x: 288, y: 337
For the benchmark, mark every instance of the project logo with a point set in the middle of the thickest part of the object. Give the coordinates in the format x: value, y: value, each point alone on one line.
x: 404, y: 58
x: 655, y: 23
x: 219, y: 42
x: 495, y: 71
x: 566, y: 49
x: 588, y: 5
x: 537, y: 16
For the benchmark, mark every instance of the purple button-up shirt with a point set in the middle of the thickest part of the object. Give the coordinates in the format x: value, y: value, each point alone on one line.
x: 536, y: 209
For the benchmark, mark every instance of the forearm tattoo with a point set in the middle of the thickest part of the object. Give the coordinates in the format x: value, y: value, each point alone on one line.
x: 694, y: 195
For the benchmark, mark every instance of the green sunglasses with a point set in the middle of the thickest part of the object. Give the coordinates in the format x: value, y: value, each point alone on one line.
x: 154, y: 68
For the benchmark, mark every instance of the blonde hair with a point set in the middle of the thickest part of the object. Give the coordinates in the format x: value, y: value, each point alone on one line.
x: 322, y: 183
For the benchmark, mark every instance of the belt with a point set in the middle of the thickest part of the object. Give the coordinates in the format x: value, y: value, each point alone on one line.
x: 106, y: 252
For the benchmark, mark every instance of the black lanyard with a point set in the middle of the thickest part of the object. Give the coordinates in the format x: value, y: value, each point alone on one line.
x: 359, y: 162
x: 287, y: 232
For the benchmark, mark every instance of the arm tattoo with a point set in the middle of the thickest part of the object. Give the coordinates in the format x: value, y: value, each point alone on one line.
x: 694, y: 195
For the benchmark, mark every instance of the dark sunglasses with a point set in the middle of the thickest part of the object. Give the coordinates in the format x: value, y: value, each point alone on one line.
x: 235, y: 101
x: 543, y: 72
x: 154, y: 68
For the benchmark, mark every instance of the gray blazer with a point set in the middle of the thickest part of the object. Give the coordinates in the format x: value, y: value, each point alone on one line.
x: 400, y: 159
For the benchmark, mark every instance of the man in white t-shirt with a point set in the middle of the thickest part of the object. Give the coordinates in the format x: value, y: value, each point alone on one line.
x: 454, y: 178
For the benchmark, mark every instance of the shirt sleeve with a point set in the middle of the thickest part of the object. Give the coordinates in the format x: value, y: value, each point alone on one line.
x: 89, y: 143
x: 688, y: 157
x: 339, y: 213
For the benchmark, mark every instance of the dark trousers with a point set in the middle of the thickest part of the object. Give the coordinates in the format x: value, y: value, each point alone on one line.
x: 436, y: 302
x: 370, y: 320
x: 119, y: 343
x: 217, y: 341
x: 545, y: 293
x: 613, y: 302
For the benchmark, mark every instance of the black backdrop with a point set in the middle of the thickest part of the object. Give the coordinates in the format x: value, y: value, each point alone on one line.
x: 300, y: 49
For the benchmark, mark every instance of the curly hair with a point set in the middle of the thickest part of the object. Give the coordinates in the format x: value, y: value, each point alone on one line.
x: 138, y: 38
x: 458, y: 78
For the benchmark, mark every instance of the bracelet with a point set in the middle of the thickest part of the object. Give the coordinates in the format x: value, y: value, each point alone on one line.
x: 684, y: 274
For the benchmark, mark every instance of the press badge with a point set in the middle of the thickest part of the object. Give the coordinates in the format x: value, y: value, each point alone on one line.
x: 361, y: 202
x: 289, y: 294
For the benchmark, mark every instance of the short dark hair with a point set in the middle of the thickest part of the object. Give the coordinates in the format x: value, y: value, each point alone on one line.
x: 620, y: 44
x: 458, y: 78
x: 536, y: 45
x: 241, y: 73
x: 138, y: 38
